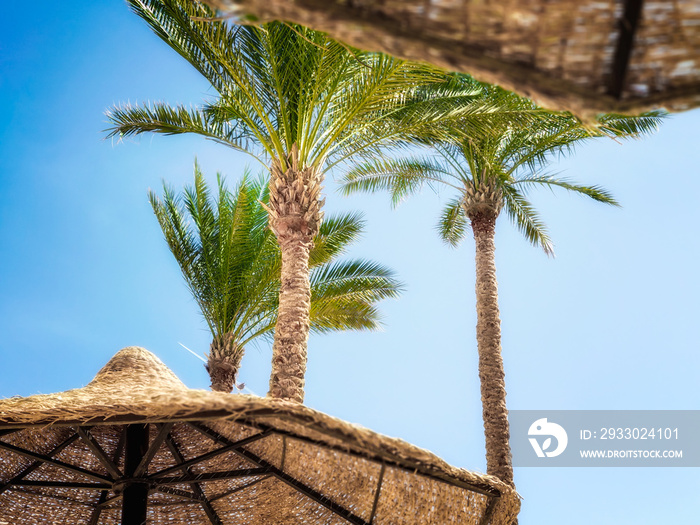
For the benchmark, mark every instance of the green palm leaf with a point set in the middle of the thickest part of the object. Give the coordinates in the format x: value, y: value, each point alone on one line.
x: 617, y: 125
x: 526, y: 219
x: 343, y: 295
x: 335, y: 234
x: 597, y: 193
x: 452, y: 225
x: 506, y: 162
x: 400, y: 177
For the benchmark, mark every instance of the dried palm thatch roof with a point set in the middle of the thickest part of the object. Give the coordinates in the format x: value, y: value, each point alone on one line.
x: 587, y: 56
x: 214, y: 458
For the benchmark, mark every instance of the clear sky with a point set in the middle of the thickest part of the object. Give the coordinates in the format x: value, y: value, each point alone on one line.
x: 610, y: 323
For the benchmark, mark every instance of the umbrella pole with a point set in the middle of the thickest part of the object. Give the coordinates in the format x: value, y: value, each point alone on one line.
x: 135, y: 494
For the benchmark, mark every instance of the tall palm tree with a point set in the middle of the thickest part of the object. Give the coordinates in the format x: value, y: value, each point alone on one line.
x: 489, y: 173
x: 231, y: 263
x: 301, y: 103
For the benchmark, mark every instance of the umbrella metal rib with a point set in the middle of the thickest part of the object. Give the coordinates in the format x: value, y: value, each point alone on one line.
x: 211, y: 476
x: 282, y: 476
x: 47, y: 459
x: 99, y: 453
x: 163, y: 432
x: 210, y: 455
x: 198, y: 492
x: 376, y: 494
x: 189, y: 497
x: 103, y: 501
x: 238, y: 489
x: 31, y: 468
x: 490, y: 508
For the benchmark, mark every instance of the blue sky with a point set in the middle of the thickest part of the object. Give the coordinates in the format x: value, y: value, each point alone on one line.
x: 610, y: 323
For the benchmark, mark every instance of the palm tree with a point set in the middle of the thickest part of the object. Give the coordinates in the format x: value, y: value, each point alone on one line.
x: 489, y: 173
x: 231, y: 263
x: 301, y: 103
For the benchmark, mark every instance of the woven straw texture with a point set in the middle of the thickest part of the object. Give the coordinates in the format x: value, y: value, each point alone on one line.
x: 62, y: 460
x: 564, y: 54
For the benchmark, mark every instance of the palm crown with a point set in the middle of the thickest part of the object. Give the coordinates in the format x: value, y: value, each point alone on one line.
x: 231, y: 264
x: 496, y: 170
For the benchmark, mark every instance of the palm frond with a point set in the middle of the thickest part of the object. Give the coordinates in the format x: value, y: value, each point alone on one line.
x: 343, y: 295
x: 415, y: 117
x: 623, y: 126
x: 400, y: 177
x: 452, y: 225
x: 335, y: 234
x: 175, y: 23
x: 526, y: 219
x: 131, y: 120
x: 596, y: 193
x: 357, y: 279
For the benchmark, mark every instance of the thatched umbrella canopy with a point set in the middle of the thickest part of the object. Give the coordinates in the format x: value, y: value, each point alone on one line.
x: 587, y: 56
x: 136, y: 446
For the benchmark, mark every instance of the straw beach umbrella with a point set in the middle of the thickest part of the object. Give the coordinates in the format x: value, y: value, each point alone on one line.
x: 136, y: 446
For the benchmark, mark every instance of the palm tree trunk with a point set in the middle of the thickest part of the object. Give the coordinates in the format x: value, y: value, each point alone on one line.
x: 223, y: 363
x: 488, y: 335
x: 295, y: 216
